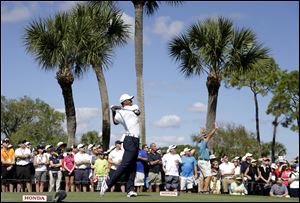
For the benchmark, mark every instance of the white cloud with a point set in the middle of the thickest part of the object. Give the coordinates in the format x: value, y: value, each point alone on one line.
x: 84, y: 119
x: 165, y: 28
x: 198, y: 106
x: 17, y: 13
x: 168, y: 121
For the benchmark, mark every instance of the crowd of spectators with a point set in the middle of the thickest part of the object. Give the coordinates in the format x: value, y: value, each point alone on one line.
x: 82, y: 168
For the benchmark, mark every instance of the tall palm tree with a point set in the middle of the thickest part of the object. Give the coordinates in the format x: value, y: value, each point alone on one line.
x: 106, y: 30
x: 150, y: 7
x: 48, y: 40
x: 213, y: 47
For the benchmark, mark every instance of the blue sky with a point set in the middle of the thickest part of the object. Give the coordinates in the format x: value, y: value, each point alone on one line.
x: 175, y: 107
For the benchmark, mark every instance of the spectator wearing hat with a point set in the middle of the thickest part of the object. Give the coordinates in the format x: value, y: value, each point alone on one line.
x: 55, y: 173
x: 155, y: 168
x: 294, y: 181
x: 23, y: 168
x: 237, y: 187
x: 40, y: 162
x: 279, y: 189
x: 82, y: 163
x: 92, y: 151
x: 203, y: 159
x: 265, y: 175
x: 227, y: 173
x: 48, y: 149
x: 7, y: 166
x: 115, y: 159
x: 69, y: 168
x: 188, y: 171
x: 252, y: 176
x: 246, y: 162
x: 237, y: 165
x: 142, y: 160
x: 171, y: 164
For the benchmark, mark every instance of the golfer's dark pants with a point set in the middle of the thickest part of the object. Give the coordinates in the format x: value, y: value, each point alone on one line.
x: 128, y: 164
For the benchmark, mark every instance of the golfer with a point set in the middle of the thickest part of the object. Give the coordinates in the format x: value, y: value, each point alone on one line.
x: 127, y: 115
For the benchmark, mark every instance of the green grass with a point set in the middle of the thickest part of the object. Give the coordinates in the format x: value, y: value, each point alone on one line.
x: 149, y: 197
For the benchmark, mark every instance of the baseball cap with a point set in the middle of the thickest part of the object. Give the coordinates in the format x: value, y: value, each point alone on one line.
x: 27, y: 143
x: 212, y: 156
x: 118, y: 142
x: 48, y: 146
x: 187, y: 150
x: 80, y: 146
x: 172, y: 146
x: 91, y: 146
x: 125, y: 97
x: 248, y: 154
x: 60, y: 144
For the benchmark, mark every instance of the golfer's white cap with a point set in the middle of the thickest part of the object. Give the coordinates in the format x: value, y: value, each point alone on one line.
x: 172, y: 146
x: 125, y: 97
x: 186, y: 150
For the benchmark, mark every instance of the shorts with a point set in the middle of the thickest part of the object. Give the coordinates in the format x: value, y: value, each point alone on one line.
x: 139, y: 179
x: 186, y: 183
x: 99, y: 182
x: 172, y: 182
x: 7, y: 176
x: 23, y: 173
x: 205, y: 168
x: 154, y: 178
x: 40, y: 176
x: 66, y: 173
x: 81, y: 176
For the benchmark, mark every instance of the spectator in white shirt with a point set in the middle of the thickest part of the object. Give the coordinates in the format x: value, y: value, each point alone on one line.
x: 82, y: 162
x: 23, y: 168
x: 40, y: 163
x: 227, y: 173
x: 171, y: 164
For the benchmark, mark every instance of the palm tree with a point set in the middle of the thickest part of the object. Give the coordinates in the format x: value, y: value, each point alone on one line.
x: 213, y: 47
x: 106, y: 30
x: 150, y: 8
x: 50, y: 43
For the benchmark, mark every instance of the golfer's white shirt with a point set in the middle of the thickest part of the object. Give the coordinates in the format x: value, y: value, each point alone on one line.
x: 129, y: 120
x: 171, y: 163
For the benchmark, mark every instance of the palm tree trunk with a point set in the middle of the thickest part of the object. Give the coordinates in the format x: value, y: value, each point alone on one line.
x: 257, y: 122
x: 213, y: 85
x: 138, y: 42
x: 65, y: 79
x: 105, y: 106
x: 275, y: 124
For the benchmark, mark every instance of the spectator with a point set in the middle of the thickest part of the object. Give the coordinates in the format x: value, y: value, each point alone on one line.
x: 251, y: 175
x: 155, y: 168
x: 55, y: 173
x: 40, y: 163
x: 7, y: 166
x: 203, y: 159
x: 100, y: 170
x: 82, y: 162
x: 171, y: 163
x: 279, y: 189
x: 237, y: 166
x: 227, y: 173
x: 215, y: 183
x: 188, y: 171
x: 294, y: 181
x: 246, y: 161
x: 146, y: 167
x: 142, y: 160
x: 284, y: 174
x: 265, y: 175
x: 92, y: 151
x: 115, y: 159
x: 69, y: 170
x: 23, y: 167
x: 237, y: 187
